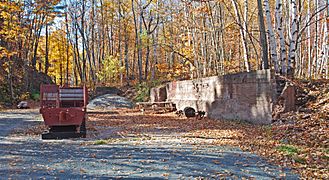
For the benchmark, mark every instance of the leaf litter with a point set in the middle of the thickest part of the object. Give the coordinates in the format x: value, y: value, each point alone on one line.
x: 299, y: 140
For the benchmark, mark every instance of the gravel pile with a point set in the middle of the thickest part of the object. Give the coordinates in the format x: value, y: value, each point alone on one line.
x: 109, y: 101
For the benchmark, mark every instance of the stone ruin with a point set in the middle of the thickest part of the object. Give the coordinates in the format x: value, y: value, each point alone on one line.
x: 246, y: 96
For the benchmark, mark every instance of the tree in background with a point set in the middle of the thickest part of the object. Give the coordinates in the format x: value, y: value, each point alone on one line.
x: 162, y: 40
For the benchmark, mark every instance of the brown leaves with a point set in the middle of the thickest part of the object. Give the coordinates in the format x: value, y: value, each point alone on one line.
x: 300, y: 141
x: 93, y: 155
x: 300, y: 145
x: 62, y: 171
x: 216, y: 161
x: 306, y: 130
x: 31, y: 131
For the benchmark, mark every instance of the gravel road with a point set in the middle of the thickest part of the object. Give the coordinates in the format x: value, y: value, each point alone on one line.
x: 12, y: 119
x: 156, y: 157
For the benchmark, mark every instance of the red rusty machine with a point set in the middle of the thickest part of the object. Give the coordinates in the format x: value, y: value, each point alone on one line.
x: 64, y: 111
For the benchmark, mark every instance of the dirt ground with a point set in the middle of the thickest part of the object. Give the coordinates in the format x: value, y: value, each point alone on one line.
x: 125, y: 143
x: 130, y: 144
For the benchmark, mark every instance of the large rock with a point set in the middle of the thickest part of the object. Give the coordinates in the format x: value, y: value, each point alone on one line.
x: 23, y: 105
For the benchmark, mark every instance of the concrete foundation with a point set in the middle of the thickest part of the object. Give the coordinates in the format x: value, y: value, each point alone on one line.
x: 244, y: 96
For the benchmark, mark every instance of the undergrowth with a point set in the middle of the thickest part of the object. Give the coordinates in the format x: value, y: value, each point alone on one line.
x: 288, y: 149
x: 143, y: 90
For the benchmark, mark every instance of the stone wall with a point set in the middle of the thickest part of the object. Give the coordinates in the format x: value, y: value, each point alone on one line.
x: 243, y: 96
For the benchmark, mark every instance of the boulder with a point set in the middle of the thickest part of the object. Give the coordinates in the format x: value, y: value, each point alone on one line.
x: 23, y: 105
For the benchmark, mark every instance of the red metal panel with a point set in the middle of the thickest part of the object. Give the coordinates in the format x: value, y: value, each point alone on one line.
x: 63, y: 116
x: 62, y: 106
x: 48, y: 95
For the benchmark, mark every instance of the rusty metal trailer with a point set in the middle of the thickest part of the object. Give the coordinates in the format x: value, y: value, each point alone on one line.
x: 64, y: 111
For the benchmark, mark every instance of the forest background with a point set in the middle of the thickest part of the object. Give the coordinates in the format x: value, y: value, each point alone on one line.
x: 145, y: 42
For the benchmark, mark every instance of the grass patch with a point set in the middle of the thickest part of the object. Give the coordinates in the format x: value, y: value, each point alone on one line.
x: 110, y: 141
x: 325, y: 157
x: 100, y: 142
x: 289, y: 150
x: 268, y: 131
x: 35, y: 96
x: 298, y: 159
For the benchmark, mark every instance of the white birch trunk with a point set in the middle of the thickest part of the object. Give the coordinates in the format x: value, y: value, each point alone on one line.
x: 279, y: 27
x: 274, y: 55
x: 316, y: 40
x: 327, y: 45
x: 324, y: 59
x: 214, y: 43
x: 245, y: 22
x: 189, y: 33
x: 242, y: 34
x: 293, y: 39
x: 309, y: 48
x: 320, y: 43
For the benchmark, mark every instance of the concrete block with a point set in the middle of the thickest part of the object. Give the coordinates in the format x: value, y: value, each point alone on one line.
x: 244, y: 96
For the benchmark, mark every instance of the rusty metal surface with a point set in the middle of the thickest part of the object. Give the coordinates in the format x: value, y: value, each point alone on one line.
x: 62, y: 116
x: 62, y: 106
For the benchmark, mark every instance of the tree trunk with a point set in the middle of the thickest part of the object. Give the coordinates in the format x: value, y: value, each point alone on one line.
x: 155, y: 37
x: 147, y: 58
x: 67, y: 44
x: 36, y: 43
x: 324, y: 58
x: 119, y: 45
x: 309, y: 47
x: 93, y: 39
x: 77, y: 54
x: 279, y: 25
x: 47, y: 51
x: 155, y: 55
x: 245, y: 28
x: 293, y: 40
x: 263, y: 39
x: 10, y: 79
x: 242, y: 34
x: 137, y: 41
x: 316, y: 40
x: 139, y: 48
x: 127, y: 55
x: 222, y: 41
x: 84, y: 75
x: 274, y: 55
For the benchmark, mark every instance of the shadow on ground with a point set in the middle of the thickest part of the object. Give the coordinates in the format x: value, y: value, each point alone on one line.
x: 71, y: 160
x: 29, y: 157
x: 10, y: 120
